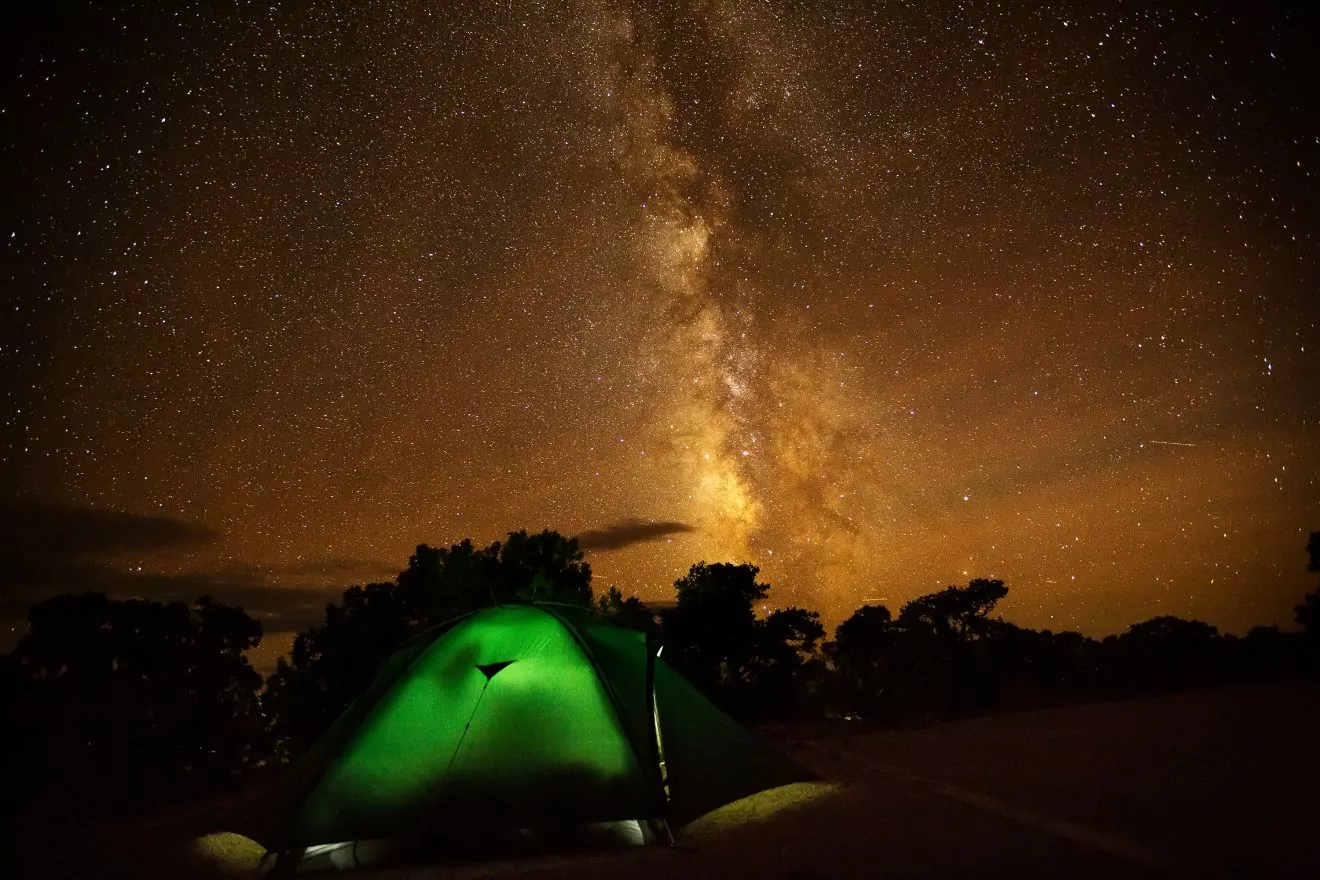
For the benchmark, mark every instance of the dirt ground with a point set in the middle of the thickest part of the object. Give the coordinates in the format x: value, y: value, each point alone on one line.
x: 1215, y: 783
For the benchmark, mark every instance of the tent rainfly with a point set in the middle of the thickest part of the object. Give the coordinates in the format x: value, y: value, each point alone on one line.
x: 513, y: 718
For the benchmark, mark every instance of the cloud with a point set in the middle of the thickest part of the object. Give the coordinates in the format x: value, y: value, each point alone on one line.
x: 279, y: 608
x: 40, y: 541
x: 628, y: 532
x: 47, y: 549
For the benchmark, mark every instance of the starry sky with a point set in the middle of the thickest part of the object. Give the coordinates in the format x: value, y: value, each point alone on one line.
x: 878, y: 296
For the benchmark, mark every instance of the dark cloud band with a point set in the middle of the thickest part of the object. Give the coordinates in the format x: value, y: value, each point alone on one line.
x: 47, y: 549
x: 628, y: 532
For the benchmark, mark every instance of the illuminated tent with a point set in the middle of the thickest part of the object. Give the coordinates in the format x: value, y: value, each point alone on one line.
x: 518, y: 717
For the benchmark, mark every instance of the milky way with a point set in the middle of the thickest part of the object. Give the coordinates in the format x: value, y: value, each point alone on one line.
x: 880, y: 297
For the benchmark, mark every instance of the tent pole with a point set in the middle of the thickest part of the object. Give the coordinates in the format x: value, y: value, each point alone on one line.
x: 659, y: 775
x: 463, y: 737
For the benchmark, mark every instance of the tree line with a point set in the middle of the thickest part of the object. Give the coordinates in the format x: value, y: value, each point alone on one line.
x: 121, y: 706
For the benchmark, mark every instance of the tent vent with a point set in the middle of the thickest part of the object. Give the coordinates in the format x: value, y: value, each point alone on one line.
x: 491, y: 669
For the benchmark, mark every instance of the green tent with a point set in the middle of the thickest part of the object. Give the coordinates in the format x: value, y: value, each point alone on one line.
x: 518, y: 717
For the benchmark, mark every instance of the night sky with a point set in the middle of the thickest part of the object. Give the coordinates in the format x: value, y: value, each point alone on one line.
x: 878, y: 296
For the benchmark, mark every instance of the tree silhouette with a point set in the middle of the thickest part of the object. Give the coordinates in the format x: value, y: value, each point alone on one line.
x: 957, y: 613
x: 944, y: 654
x: 755, y: 668
x: 865, y: 658
x: 440, y: 583
x: 546, y: 567
x: 629, y: 612
x: 938, y: 656
x: 1308, y: 613
x: 711, y: 633
x: 135, y: 702
x: 1164, y: 653
x: 332, y: 664
x: 1266, y: 652
x: 787, y: 673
